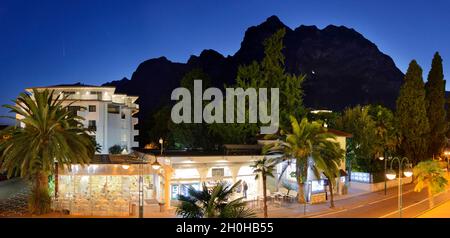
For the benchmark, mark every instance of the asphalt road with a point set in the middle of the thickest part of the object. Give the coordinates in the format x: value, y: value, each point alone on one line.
x: 378, y: 205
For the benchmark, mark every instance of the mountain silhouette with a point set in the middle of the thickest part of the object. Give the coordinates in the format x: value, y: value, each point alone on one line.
x: 343, y: 68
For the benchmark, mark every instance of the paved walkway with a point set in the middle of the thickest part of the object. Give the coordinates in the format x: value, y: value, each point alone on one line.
x: 10, y: 187
x: 440, y: 211
x: 295, y: 210
x: 357, y: 203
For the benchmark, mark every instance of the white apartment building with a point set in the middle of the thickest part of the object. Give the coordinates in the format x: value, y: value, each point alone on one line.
x: 109, y: 115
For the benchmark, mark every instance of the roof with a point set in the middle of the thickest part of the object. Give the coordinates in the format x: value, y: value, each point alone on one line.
x: 339, y: 133
x: 75, y: 85
x: 244, y: 150
x: 115, y: 159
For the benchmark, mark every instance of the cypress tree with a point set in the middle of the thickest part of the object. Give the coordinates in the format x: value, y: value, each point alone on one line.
x: 435, y: 98
x: 411, y: 115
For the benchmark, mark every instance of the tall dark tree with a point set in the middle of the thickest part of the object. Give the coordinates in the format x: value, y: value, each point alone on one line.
x: 192, y: 135
x: 435, y: 99
x: 270, y: 73
x: 411, y: 115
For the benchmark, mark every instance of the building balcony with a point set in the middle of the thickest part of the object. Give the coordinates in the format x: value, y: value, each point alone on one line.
x: 134, y: 120
x: 92, y: 97
x: 134, y: 144
x: 135, y: 132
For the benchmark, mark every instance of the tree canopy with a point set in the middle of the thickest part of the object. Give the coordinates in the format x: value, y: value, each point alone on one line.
x: 411, y: 115
x: 435, y: 102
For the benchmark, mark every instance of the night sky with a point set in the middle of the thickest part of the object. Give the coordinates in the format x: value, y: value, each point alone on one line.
x: 52, y: 42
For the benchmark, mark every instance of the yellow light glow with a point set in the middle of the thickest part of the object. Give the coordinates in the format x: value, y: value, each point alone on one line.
x: 408, y: 173
x: 391, y: 176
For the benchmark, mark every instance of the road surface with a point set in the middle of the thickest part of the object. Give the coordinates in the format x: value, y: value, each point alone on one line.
x: 378, y: 205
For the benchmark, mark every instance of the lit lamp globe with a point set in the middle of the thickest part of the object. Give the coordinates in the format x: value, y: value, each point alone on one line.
x: 125, y: 166
x: 408, y: 172
x: 381, y: 158
x: 391, y: 174
x: 161, y: 140
x: 156, y: 165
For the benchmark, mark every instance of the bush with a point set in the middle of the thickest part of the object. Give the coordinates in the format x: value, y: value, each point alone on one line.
x: 115, y: 149
x: 378, y: 177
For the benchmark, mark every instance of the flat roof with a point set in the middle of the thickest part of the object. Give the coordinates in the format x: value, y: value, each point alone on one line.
x: 116, y: 159
x: 78, y: 85
x: 74, y: 85
x: 339, y: 133
x: 199, y: 153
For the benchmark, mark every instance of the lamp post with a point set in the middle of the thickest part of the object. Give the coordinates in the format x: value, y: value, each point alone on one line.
x: 391, y: 174
x: 140, y: 165
x: 447, y: 153
x: 385, y: 168
x: 141, y: 190
x: 156, y: 165
x: 161, y: 141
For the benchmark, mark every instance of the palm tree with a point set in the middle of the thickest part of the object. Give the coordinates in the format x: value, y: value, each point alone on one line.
x: 429, y: 174
x: 50, y: 134
x: 328, y: 161
x: 213, y: 203
x: 264, y: 168
x: 305, y: 140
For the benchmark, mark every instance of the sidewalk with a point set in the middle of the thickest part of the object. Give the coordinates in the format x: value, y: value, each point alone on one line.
x: 10, y: 187
x: 441, y: 211
x: 354, y: 198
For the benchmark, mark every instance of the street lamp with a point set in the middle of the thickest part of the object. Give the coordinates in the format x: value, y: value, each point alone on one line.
x: 156, y: 165
x: 447, y: 153
x: 391, y: 175
x: 140, y: 165
x: 385, y: 172
x: 141, y: 190
x: 161, y: 141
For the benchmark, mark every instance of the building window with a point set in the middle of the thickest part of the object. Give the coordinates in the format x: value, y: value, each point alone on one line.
x: 97, y: 94
x: 92, y: 125
x: 68, y: 93
x: 115, y: 109
x: 122, y: 115
x: 92, y: 108
x: 217, y: 172
x: 74, y: 109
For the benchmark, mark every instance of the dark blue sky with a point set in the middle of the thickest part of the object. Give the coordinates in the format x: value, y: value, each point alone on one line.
x: 51, y: 42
